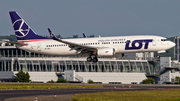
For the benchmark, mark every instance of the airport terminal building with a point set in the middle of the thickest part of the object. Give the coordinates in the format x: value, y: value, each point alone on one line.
x: 44, y: 68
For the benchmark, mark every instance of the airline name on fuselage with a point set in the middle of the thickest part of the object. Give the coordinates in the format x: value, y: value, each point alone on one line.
x: 106, y: 40
x: 137, y: 44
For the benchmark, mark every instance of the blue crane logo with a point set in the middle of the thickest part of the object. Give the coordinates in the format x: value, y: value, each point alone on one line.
x: 21, y: 28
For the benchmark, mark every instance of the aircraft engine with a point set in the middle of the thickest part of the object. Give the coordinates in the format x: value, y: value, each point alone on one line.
x: 106, y: 52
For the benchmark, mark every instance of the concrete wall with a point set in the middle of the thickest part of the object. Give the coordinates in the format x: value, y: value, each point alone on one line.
x: 43, y: 76
x: 169, y: 76
x: 105, y: 77
x: 34, y: 76
x: 165, y: 77
x: 69, y: 75
x: 6, y: 75
x: 165, y: 62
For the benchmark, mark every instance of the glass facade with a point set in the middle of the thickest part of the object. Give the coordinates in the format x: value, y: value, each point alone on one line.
x: 79, y: 65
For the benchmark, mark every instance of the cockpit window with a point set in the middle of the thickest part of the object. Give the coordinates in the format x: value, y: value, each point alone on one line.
x: 163, y: 39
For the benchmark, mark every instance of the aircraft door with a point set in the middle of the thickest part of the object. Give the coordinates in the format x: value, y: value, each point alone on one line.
x: 39, y: 47
x: 154, y: 42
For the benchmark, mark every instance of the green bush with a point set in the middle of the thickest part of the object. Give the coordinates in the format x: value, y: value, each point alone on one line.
x: 90, y: 81
x: 61, y: 80
x: 177, y: 79
x: 22, y: 77
x: 149, y: 81
x: 50, y: 81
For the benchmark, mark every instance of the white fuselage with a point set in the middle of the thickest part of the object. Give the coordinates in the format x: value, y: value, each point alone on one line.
x: 121, y: 44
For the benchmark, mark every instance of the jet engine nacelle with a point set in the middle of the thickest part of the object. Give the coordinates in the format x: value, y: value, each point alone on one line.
x: 106, y: 52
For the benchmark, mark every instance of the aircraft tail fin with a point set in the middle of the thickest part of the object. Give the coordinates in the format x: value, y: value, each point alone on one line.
x: 85, y: 36
x: 22, y: 29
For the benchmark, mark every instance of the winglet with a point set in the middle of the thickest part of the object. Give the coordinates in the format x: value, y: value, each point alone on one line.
x: 52, y: 35
x: 84, y: 35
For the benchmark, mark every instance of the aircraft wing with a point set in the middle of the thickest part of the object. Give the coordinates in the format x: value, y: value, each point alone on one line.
x: 16, y: 43
x: 81, y: 49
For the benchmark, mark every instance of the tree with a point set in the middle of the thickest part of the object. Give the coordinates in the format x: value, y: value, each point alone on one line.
x: 149, y: 81
x: 59, y: 36
x: 75, y: 36
x: 90, y: 81
x: 177, y: 79
x: 50, y: 81
x: 61, y: 80
x: 22, y: 77
x: 91, y: 36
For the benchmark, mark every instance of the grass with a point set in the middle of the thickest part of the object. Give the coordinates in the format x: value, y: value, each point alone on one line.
x: 45, y: 86
x: 149, y: 95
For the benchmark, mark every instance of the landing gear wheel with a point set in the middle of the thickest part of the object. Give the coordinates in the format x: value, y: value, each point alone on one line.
x: 95, y: 59
x: 158, y: 56
x: 89, y: 59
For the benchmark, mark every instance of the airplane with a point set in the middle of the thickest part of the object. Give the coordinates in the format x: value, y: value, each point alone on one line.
x: 91, y: 47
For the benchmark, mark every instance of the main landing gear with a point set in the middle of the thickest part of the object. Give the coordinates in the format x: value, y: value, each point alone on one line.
x: 94, y: 59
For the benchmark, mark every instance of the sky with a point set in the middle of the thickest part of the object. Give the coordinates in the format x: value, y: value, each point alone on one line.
x: 95, y: 17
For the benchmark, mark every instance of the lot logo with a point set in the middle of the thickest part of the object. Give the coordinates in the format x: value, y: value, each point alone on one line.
x: 137, y: 44
x: 21, y: 28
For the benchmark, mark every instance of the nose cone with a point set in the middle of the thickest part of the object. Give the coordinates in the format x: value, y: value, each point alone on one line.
x: 172, y: 44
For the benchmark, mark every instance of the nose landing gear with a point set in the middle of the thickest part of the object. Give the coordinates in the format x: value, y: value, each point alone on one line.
x: 90, y: 59
x: 95, y: 59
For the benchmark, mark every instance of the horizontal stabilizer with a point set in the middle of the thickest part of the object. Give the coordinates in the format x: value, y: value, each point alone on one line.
x: 16, y: 43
